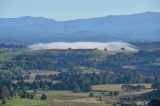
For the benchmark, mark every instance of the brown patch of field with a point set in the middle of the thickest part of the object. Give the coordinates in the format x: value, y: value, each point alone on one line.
x: 76, y: 104
x: 116, y: 87
x: 42, y: 72
x: 85, y: 100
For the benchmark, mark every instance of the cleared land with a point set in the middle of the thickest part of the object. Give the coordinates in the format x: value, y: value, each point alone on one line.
x: 116, y: 87
x: 24, y: 102
x: 68, y: 98
x: 55, y: 98
x: 28, y: 102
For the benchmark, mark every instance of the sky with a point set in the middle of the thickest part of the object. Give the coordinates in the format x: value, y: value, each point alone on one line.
x: 75, y: 9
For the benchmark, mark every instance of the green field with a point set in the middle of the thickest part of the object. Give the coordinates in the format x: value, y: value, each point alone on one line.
x: 116, y: 87
x: 28, y: 102
x: 66, y: 95
x: 79, y: 104
x: 61, y: 98
x: 24, y: 102
x: 56, y: 98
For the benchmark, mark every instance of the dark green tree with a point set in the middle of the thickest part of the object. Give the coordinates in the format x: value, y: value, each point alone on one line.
x: 155, y: 102
x: 44, y: 97
x: 4, y: 92
x: 91, y: 95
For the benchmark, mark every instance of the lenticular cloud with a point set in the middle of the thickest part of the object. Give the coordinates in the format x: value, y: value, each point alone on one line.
x: 109, y: 46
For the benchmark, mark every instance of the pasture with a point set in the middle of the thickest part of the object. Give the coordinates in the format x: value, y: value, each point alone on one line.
x: 55, y: 98
x: 116, y: 87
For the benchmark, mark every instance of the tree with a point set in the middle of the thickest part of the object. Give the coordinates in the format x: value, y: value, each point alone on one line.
x: 116, y: 93
x: 31, y: 96
x: 122, y: 48
x: 110, y: 93
x: 4, y: 93
x: 91, y: 95
x: 44, y: 97
x: 76, y: 87
x: 156, y: 84
x: 24, y: 94
x: 45, y: 87
x: 105, y: 49
x: 100, y: 99
x: 3, y: 101
x: 35, y: 85
x: 87, y: 88
x: 155, y: 102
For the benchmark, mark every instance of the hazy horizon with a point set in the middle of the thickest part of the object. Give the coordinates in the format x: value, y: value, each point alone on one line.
x: 82, y: 18
x: 62, y: 10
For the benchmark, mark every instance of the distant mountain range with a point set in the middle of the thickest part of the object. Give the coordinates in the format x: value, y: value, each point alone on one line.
x: 30, y: 30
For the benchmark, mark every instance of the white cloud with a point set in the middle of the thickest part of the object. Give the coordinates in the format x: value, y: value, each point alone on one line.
x: 110, y: 46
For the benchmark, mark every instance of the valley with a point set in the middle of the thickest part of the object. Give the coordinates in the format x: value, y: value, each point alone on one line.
x: 83, y: 77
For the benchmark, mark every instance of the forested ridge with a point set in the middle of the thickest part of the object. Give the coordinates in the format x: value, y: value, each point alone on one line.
x: 146, y: 62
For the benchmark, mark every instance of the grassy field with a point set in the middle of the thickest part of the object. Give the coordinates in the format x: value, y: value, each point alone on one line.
x: 55, y: 98
x: 64, y: 98
x: 24, y: 102
x: 116, y: 87
x: 29, y: 102
x: 65, y: 95
x: 8, y: 55
x: 78, y: 104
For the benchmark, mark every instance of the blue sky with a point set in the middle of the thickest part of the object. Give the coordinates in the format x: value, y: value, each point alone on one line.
x: 75, y: 9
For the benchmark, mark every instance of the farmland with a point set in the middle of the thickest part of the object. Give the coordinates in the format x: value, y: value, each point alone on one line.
x: 55, y: 98
x: 69, y: 98
x: 117, y: 87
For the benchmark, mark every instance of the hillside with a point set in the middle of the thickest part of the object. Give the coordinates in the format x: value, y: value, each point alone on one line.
x: 78, y: 60
x: 80, y: 71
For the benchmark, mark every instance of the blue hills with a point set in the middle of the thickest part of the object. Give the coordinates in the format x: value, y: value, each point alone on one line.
x: 29, y: 30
